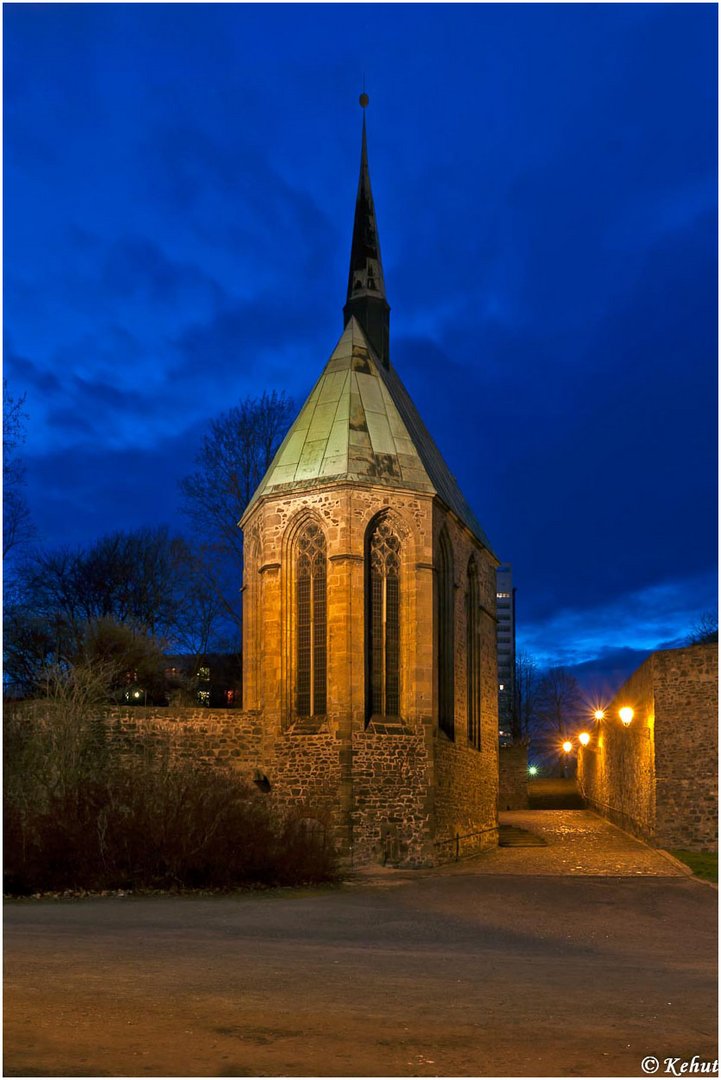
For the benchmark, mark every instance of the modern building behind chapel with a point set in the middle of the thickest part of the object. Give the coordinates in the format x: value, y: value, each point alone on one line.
x: 369, y: 637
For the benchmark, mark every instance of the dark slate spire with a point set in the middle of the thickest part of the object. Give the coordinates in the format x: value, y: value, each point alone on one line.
x: 366, y: 289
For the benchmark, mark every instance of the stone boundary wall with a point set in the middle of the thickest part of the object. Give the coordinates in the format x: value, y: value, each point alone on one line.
x: 213, y: 736
x: 686, y: 691
x: 657, y: 778
x: 513, y: 777
x: 616, y: 773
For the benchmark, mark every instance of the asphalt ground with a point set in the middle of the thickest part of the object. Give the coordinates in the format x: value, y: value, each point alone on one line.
x: 463, y: 971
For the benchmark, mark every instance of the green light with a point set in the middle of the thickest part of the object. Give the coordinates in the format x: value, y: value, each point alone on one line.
x: 533, y: 770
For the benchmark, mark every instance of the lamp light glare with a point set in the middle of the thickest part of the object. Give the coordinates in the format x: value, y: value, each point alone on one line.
x: 567, y: 746
x: 599, y: 714
x: 532, y: 770
x: 584, y: 738
x: 136, y: 694
x: 626, y: 714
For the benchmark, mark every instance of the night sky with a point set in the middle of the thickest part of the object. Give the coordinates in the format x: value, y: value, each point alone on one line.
x: 179, y: 191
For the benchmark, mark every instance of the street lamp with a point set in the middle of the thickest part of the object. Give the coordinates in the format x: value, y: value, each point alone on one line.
x: 567, y: 746
x: 584, y: 738
x: 532, y: 770
x: 599, y: 715
x: 626, y: 714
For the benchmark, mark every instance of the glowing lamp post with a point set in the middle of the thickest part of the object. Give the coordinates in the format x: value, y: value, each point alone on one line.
x: 532, y: 770
x: 626, y: 714
x: 599, y: 715
x: 584, y: 738
x: 567, y: 746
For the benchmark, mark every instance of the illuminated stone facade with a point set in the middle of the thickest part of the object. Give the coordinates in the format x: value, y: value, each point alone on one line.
x: 658, y: 777
x: 398, y: 783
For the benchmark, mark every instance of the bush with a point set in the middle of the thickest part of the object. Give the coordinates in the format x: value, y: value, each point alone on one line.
x: 94, y: 818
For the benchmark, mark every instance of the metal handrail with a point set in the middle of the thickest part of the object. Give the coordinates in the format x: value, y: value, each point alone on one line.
x: 466, y: 836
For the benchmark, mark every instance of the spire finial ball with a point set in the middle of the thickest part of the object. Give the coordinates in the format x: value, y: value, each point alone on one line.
x: 363, y: 99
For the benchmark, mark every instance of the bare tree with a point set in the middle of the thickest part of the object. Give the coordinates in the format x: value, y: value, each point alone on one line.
x: 526, y: 690
x: 109, y: 601
x: 17, y: 525
x: 558, y: 709
x: 705, y: 630
x: 126, y: 576
x: 198, y: 617
x: 232, y: 461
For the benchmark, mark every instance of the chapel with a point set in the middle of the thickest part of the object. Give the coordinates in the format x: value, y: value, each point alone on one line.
x: 369, y: 644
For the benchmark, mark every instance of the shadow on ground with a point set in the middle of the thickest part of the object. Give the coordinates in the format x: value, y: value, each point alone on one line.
x: 552, y: 793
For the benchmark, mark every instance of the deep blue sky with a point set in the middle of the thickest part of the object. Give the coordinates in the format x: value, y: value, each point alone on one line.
x: 179, y: 186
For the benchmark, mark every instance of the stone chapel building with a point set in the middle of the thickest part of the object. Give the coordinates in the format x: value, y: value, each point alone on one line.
x: 369, y: 589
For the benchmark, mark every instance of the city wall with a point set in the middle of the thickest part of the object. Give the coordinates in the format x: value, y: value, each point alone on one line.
x: 513, y: 777
x: 657, y: 777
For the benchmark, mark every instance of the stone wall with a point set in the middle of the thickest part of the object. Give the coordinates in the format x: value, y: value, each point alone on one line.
x: 402, y: 794
x: 616, y: 770
x: 465, y: 789
x: 513, y: 777
x: 686, y: 691
x: 304, y: 771
x: 214, y: 736
x: 657, y: 777
x: 391, y: 806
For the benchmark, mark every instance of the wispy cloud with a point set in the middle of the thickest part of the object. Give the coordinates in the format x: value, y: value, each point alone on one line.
x: 658, y: 616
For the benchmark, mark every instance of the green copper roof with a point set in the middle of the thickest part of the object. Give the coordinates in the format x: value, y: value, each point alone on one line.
x: 359, y: 424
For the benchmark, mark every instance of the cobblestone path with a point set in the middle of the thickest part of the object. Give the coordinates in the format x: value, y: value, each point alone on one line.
x: 578, y: 843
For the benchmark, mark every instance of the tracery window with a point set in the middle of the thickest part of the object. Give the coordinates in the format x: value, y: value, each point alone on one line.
x: 311, y: 659
x: 473, y: 656
x: 445, y: 626
x: 383, y: 621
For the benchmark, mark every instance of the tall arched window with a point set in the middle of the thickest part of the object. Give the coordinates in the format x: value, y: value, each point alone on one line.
x: 311, y: 622
x: 473, y: 655
x: 446, y: 652
x: 383, y: 621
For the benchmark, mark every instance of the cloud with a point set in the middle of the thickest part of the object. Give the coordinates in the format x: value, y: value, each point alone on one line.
x: 134, y: 266
x: 660, y: 615
x: 76, y: 495
x: 602, y: 677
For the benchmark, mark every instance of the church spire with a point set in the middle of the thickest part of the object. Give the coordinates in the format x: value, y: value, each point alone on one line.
x: 366, y: 290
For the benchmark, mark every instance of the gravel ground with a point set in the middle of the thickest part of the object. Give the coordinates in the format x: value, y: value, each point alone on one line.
x: 576, y: 959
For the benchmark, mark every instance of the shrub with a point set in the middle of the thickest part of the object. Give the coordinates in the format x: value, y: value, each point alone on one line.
x: 80, y: 815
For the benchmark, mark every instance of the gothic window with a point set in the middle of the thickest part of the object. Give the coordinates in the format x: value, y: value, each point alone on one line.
x: 383, y: 622
x: 446, y: 652
x: 473, y: 656
x: 311, y: 622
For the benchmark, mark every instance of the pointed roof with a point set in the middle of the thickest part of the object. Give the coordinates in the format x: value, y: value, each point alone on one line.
x: 365, y: 276
x: 366, y: 297
x: 359, y: 424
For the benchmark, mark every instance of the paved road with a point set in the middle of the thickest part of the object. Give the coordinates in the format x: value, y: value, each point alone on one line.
x: 474, y: 970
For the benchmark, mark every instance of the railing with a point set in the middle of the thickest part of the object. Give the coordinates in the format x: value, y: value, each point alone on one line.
x: 456, y: 840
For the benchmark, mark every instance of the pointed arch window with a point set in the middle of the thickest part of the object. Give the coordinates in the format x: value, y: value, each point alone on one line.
x: 383, y: 621
x: 446, y: 652
x: 311, y: 659
x: 473, y: 655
